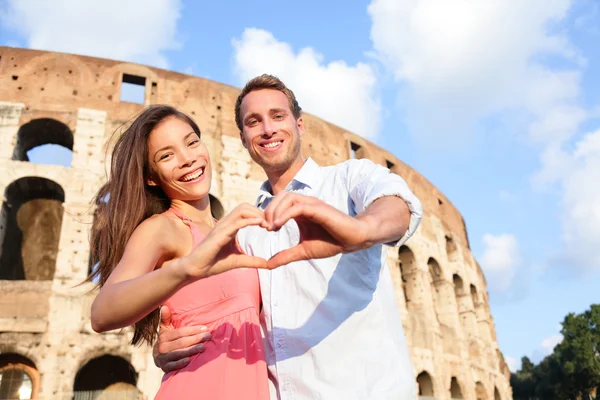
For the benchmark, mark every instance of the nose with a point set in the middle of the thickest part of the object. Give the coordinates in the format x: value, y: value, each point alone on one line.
x: 187, y: 159
x: 270, y: 127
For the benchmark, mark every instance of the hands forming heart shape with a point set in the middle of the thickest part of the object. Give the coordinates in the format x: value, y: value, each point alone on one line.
x: 324, y: 232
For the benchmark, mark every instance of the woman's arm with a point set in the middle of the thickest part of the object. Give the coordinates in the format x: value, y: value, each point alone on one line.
x: 135, y: 287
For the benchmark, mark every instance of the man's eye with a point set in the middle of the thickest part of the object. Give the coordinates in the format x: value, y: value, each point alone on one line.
x: 279, y: 116
x: 252, y: 122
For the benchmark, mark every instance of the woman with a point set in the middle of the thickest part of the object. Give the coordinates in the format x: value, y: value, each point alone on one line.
x: 156, y: 243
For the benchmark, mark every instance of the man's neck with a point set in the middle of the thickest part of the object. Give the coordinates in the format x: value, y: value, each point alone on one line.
x: 280, y: 179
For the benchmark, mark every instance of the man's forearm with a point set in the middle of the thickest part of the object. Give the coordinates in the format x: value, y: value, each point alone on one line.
x: 385, y: 220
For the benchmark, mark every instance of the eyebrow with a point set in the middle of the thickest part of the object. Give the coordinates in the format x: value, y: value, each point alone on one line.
x: 170, y: 147
x: 271, y: 111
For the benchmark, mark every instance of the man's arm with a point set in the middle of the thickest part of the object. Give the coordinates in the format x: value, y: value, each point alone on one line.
x: 387, y: 212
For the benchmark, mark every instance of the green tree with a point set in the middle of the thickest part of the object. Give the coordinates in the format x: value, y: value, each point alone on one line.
x: 579, y: 352
x: 572, y: 371
x: 523, y: 382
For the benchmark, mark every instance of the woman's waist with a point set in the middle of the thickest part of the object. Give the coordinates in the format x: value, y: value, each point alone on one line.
x: 186, y: 311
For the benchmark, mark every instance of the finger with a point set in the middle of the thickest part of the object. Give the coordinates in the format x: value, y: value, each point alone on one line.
x: 237, y: 261
x: 305, y: 204
x: 165, y: 318
x: 272, y: 206
x: 175, y: 365
x: 297, y: 211
x: 287, y: 256
x: 173, y: 335
x: 165, y: 348
x: 179, y: 355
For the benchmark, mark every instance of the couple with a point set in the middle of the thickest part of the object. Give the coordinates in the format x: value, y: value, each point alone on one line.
x: 322, y: 295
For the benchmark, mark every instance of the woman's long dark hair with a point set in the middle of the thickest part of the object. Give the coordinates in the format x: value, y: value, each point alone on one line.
x: 126, y: 200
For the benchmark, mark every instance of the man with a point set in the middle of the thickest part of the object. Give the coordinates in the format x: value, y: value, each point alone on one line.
x: 329, y: 316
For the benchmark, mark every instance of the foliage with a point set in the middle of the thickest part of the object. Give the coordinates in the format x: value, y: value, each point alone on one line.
x: 572, y: 371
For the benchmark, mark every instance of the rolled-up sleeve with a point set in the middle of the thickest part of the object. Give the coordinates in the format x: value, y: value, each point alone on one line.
x: 368, y: 182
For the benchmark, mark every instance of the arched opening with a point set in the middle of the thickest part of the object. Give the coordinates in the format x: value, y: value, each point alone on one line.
x: 30, y: 229
x: 474, y: 295
x: 451, y: 248
x: 425, y: 385
x: 106, y: 377
x: 216, y: 208
x: 455, y: 391
x: 458, y: 285
x: 408, y: 267
x: 436, y: 280
x: 19, y: 378
x: 497, y: 394
x: 480, y: 392
x: 44, y: 141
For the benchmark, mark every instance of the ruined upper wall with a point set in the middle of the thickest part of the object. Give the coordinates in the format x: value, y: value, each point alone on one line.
x: 55, y: 85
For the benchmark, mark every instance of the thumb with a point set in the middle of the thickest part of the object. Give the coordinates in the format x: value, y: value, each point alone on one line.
x: 165, y: 317
x: 244, y: 261
x: 285, y: 257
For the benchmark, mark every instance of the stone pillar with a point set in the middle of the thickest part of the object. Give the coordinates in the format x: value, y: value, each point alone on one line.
x: 10, y: 115
x: 88, y: 141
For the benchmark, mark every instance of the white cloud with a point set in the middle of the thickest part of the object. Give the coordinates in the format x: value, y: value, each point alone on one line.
x: 581, y: 205
x: 339, y: 93
x: 549, y: 343
x: 500, y: 260
x: 460, y: 62
x: 546, y: 347
x: 513, y: 364
x: 135, y: 31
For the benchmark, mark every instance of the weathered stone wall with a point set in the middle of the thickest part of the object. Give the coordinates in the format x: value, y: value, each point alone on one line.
x: 441, y: 291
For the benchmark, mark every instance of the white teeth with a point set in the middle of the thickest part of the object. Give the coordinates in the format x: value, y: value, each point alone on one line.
x: 193, y: 175
x: 271, y: 145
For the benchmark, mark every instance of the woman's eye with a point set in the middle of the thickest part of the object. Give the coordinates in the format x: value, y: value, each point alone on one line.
x: 193, y: 142
x: 164, y: 156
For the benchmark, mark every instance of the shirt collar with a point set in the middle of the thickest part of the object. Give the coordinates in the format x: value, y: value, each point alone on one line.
x: 307, y: 176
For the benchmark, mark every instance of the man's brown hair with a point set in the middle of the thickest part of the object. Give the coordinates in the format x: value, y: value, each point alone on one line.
x: 266, y: 81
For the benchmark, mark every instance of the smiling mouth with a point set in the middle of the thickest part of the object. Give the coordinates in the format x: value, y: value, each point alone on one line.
x: 192, y: 175
x: 271, y: 145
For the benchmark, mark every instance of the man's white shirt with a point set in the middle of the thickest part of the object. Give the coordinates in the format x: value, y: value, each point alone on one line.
x: 332, y: 326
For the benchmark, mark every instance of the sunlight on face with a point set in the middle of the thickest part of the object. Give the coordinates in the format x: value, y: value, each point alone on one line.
x: 179, y: 161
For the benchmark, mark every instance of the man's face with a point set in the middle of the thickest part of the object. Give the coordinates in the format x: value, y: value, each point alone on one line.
x: 270, y: 132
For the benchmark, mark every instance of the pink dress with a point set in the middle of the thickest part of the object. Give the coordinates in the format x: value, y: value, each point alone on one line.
x: 233, y: 364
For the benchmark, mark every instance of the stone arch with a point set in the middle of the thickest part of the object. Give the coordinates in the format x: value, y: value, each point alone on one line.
x: 106, y: 375
x: 425, y: 385
x: 474, y: 295
x: 497, y: 394
x: 459, y: 289
x: 408, y: 269
x: 41, y: 132
x: 455, y: 389
x: 436, y: 280
x: 30, y: 229
x: 19, y: 377
x: 216, y: 208
x: 480, y: 392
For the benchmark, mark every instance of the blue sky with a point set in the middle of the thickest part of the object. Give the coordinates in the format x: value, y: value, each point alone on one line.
x: 496, y: 102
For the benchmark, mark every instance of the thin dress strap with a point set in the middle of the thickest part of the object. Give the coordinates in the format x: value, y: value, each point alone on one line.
x: 196, y: 234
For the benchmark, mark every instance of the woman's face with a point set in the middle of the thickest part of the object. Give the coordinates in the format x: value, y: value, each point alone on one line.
x: 179, y: 161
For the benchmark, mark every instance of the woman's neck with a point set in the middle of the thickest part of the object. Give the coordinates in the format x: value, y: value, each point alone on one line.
x: 198, y: 211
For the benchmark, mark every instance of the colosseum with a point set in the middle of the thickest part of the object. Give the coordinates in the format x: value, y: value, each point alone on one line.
x: 47, y: 347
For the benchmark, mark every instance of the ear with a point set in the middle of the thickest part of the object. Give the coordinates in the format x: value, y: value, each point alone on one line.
x: 151, y: 182
x: 300, y: 125
x: 243, y: 139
